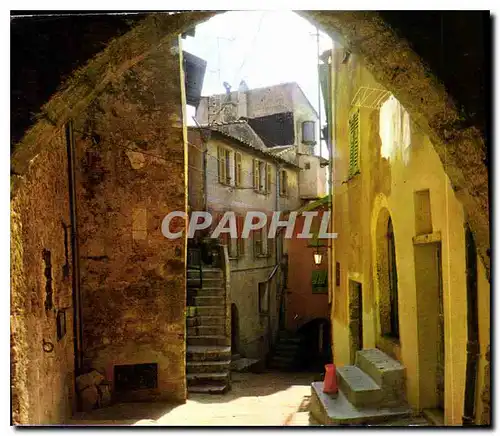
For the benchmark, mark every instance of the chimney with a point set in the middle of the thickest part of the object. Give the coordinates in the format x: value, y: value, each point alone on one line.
x: 242, y: 99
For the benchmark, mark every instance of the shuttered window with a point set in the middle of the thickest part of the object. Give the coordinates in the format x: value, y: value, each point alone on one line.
x: 237, y: 169
x: 283, y: 183
x: 354, y: 134
x: 224, y: 165
x: 221, y: 158
x: 256, y: 175
x: 260, y: 242
x: 227, y: 159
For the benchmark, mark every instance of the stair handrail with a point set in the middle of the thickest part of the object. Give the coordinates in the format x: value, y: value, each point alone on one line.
x: 226, y: 271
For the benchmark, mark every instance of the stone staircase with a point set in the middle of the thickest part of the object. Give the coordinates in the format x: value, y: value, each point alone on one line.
x: 372, y: 390
x: 286, y: 352
x: 208, y: 351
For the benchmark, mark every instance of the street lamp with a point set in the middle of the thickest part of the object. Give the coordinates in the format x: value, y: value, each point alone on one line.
x: 318, y: 257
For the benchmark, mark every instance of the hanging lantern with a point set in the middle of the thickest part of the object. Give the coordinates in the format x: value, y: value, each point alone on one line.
x: 318, y: 257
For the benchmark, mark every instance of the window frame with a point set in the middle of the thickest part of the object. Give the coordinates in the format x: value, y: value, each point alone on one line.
x: 283, y: 183
x: 354, y: 136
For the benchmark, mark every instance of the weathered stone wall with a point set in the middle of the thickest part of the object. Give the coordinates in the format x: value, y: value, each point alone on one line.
x: 130, y: 175
x: 42, y: 382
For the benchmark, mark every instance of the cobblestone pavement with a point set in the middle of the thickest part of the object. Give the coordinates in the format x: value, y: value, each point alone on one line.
x: 267, y: 399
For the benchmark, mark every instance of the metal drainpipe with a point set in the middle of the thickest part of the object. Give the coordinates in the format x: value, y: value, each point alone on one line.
x: 333, y: 142
x: 468, y: 418
x: 205, y: 182
x: 75, y: 256
x: 276, y: 249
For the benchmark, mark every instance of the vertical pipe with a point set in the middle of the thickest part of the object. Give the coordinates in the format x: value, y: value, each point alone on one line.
x: 333, y: 144
x: 468, y: 418
x: 319, y: 93
x: 75, y: 256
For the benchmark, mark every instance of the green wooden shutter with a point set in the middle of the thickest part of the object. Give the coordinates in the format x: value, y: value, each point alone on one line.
x: 354, y: 134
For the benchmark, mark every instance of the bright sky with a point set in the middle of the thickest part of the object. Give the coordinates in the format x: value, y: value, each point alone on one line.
x: 261, y: 47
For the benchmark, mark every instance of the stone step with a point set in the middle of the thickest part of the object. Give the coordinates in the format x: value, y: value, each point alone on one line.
x: 198, y: 367
x: 285, y: 336
x: 209, y: 301
x: 207, y: 273
x: 207, y: 292
x: 208, y: 389
x: 290, y: 354
x: 195, y: 311
x: 287, y: 347
x: 206, y: 321
x: 282, y: 363
x: 206, y: 330
x: 206, y: 282
x: 337, y: 410
x: 387, y: 372
x: 242, y: 364
x: 208, y: 353
x: 283, y: 358
x: 359, y: 388
x: 208, y: 340
x: 208, y: 378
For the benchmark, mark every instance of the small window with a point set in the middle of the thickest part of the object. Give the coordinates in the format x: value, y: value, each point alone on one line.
x: 224, y: 167
x: 260, y: 242
x: 283, y: 183
x: 227, y: 160
x: 268, y: 178
x: 308, y: 166
x: 262, y: 177
x: 354, y: 135
x: 256, y: 175
x: 237, y: 169
x: 319, y: 282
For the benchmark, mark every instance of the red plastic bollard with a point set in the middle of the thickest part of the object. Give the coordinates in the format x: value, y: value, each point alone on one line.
x: 330, y: 382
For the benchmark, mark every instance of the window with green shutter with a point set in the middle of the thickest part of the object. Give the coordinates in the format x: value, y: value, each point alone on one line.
x: 320, y: 282
x: 354, y: 137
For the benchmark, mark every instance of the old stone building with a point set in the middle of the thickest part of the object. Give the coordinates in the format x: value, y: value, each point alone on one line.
x: 95, y: 284
x: 410, y: 279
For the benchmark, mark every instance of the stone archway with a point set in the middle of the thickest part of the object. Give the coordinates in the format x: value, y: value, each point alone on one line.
x: 387, y: 56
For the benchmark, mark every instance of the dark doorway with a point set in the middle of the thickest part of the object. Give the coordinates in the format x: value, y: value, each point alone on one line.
x: 315, y: 345
x: 393, y: 283
x: 355, y: 318
x: 235, y: 330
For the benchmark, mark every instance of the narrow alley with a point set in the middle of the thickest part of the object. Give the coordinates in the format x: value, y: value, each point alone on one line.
x: 214, y: 222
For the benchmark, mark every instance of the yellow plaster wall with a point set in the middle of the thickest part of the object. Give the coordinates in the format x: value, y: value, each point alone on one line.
x: 391, y: 183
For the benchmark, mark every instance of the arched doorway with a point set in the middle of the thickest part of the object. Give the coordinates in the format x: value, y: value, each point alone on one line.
x: 315, y: 345
x: 387, y: 278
